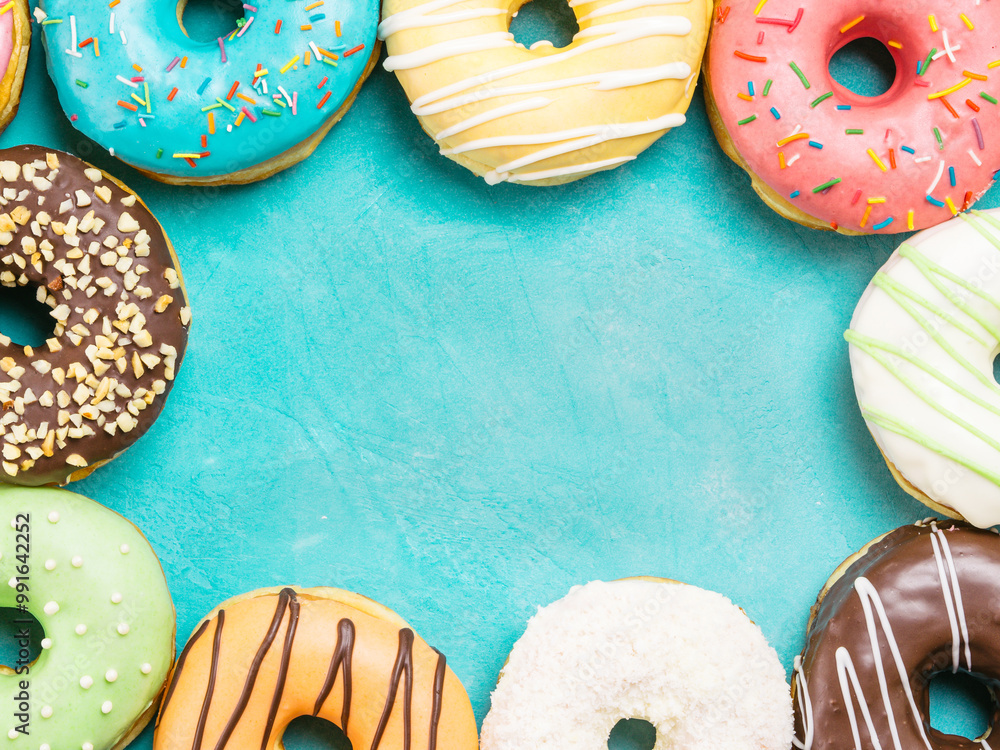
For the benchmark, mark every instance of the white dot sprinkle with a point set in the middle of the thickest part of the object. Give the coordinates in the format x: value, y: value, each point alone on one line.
x: 45, y: 746
x: 1, y: 555
x: 123, y: 628
x: 50, y: 564
x: 12, y: 734
x: 116, y: 598
x: 87, y: 746
x: 46, y: 643
x: 125, y: 549
x: 81, y: 629
x: 54, y: 517
x: 46, y: 712
x: 106, y: 707
x: 86, y: 682
x: 13, y: 523
x: 111, y: 675
x: 76, y: 562
x: 12, y: 582
x: 146, y: 668
x: 51, y: 608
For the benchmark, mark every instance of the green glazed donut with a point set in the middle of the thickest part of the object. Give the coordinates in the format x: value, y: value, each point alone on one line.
x: 94, y: 584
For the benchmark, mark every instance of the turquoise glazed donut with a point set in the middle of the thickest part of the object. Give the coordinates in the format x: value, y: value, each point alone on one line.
x: 94, y: 584
x: 233, y: 110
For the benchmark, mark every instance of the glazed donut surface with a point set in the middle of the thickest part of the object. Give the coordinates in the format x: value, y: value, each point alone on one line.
x: 96, y: 256
x: 684, y: 659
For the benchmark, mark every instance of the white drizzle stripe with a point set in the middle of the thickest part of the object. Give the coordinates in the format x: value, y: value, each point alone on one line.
x: 957, y: 593
x: 452, y: 48
x: 399, y: 22
x: 845, y: 669
x: 607, y: 81
x: 869, y: 597
x: 602, y: 132
x: 623, y: 6
x: 593, y: 166
x: 625, y: 31
x: 496, y: 113
x: 805, y: 705
x: 422, y: 10
x: 948, y: 603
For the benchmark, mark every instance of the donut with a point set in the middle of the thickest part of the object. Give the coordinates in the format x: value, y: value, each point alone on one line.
x: 262, y: 659
x: 684, y: 659
x: 15, y: 40
x: 545, y: 116
x: 93, y: 253
x: 912, y: 604
x: 93, y: 583
x: 922, y: 344
x: 235, y: 110
x: 828, y: 158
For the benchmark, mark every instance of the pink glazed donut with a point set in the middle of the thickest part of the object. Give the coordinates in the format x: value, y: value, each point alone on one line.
x: 828, y: 158
x: 15, y: 39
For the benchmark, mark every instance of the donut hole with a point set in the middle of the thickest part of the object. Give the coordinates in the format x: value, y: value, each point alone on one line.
x: 313, y: 733
x: 207, y: 20
x: 16, y: 650
x: 23, y: 319
x: 960, y: 704
x: 543, y: 23
x: 864, y: 67
x: 632, y: 734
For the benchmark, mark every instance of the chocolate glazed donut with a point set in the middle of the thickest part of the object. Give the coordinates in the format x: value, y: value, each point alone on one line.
x: 916, y: 602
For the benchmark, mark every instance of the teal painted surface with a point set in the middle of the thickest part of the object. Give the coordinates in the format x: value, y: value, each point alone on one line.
x: 463, y: 400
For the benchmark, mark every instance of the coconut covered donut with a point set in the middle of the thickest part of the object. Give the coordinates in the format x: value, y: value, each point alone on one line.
x: 15, y: 40
x: 545, y: 116
x: 829, y: 158
x: 93, y: 253
x: 684, y: 659
x: 912, y: 604
x: 922, y: 343
x: 262, y: 659
x: 95, y: 586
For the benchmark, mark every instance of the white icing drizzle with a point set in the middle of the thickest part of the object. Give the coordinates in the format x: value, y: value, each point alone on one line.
x: 604, y: 81
x: 805, y: 705
x: 496, y: 113
x: 956, y: 608
x: 614, y: 34
x: 845, y: 667
x: 622, y: 6
x: 452, y: 48
x: 561, y: 171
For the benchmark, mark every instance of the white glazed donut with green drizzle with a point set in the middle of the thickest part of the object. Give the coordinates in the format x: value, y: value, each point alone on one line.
x: 922, y: 344
x: 94, y: 584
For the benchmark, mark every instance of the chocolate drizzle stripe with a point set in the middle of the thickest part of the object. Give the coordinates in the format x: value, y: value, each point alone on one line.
x: 286, y: 653
x: 403, y: 665
x: 439, y: 675
x: 175, y: 677
x: 342, y: 655
x: 210, y: 688
x: 258, y: 659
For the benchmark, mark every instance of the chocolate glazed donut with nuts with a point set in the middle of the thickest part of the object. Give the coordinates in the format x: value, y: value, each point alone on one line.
x: 913, y: 603
x: 96, y: 256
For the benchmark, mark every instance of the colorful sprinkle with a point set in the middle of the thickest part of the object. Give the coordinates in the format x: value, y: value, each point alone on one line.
x: 987, y: 97
x: 882, y: 224
x: 826, y: 185
x: 864, y: 219
x: 323, y: 100
x: 128, y: 105
x: 744, y: 121
x: 950, y: 90
x: 796, y: 194
x: 933, y: 22
x: 82, y: 84
x: 966, y: 21
x: 851, y: 24
x: 776, y: 114
x: 353, y: 50
x: 172, y: 94
x: 951, y: 205
x: 290, y: 63
x: 767, y: 87
x: 940, y: 140
x: 854, y: 131
x: 951, y: 176
x: 934, y: 201
x: 277, y: 27
x: 909, y: 219
x: 800, y: 74
x: 908, y: 150
x: 751, y: 58
x: 816, y: 144
x: 793, y: 137
x: 979, y: 134
x: 843, y: 107
x: 877, y: 161
x: 173, y: 64
x: 822, y: 98
x: 204, y: 85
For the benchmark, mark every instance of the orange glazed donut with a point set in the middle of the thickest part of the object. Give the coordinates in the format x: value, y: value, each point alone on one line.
x: 262, y: 659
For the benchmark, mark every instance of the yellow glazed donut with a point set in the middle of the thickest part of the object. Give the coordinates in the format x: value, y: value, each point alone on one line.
x: 262, y: 659
x: 545, y: 116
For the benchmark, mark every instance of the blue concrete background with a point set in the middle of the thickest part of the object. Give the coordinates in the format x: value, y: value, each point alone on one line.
x: 462, y: 400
